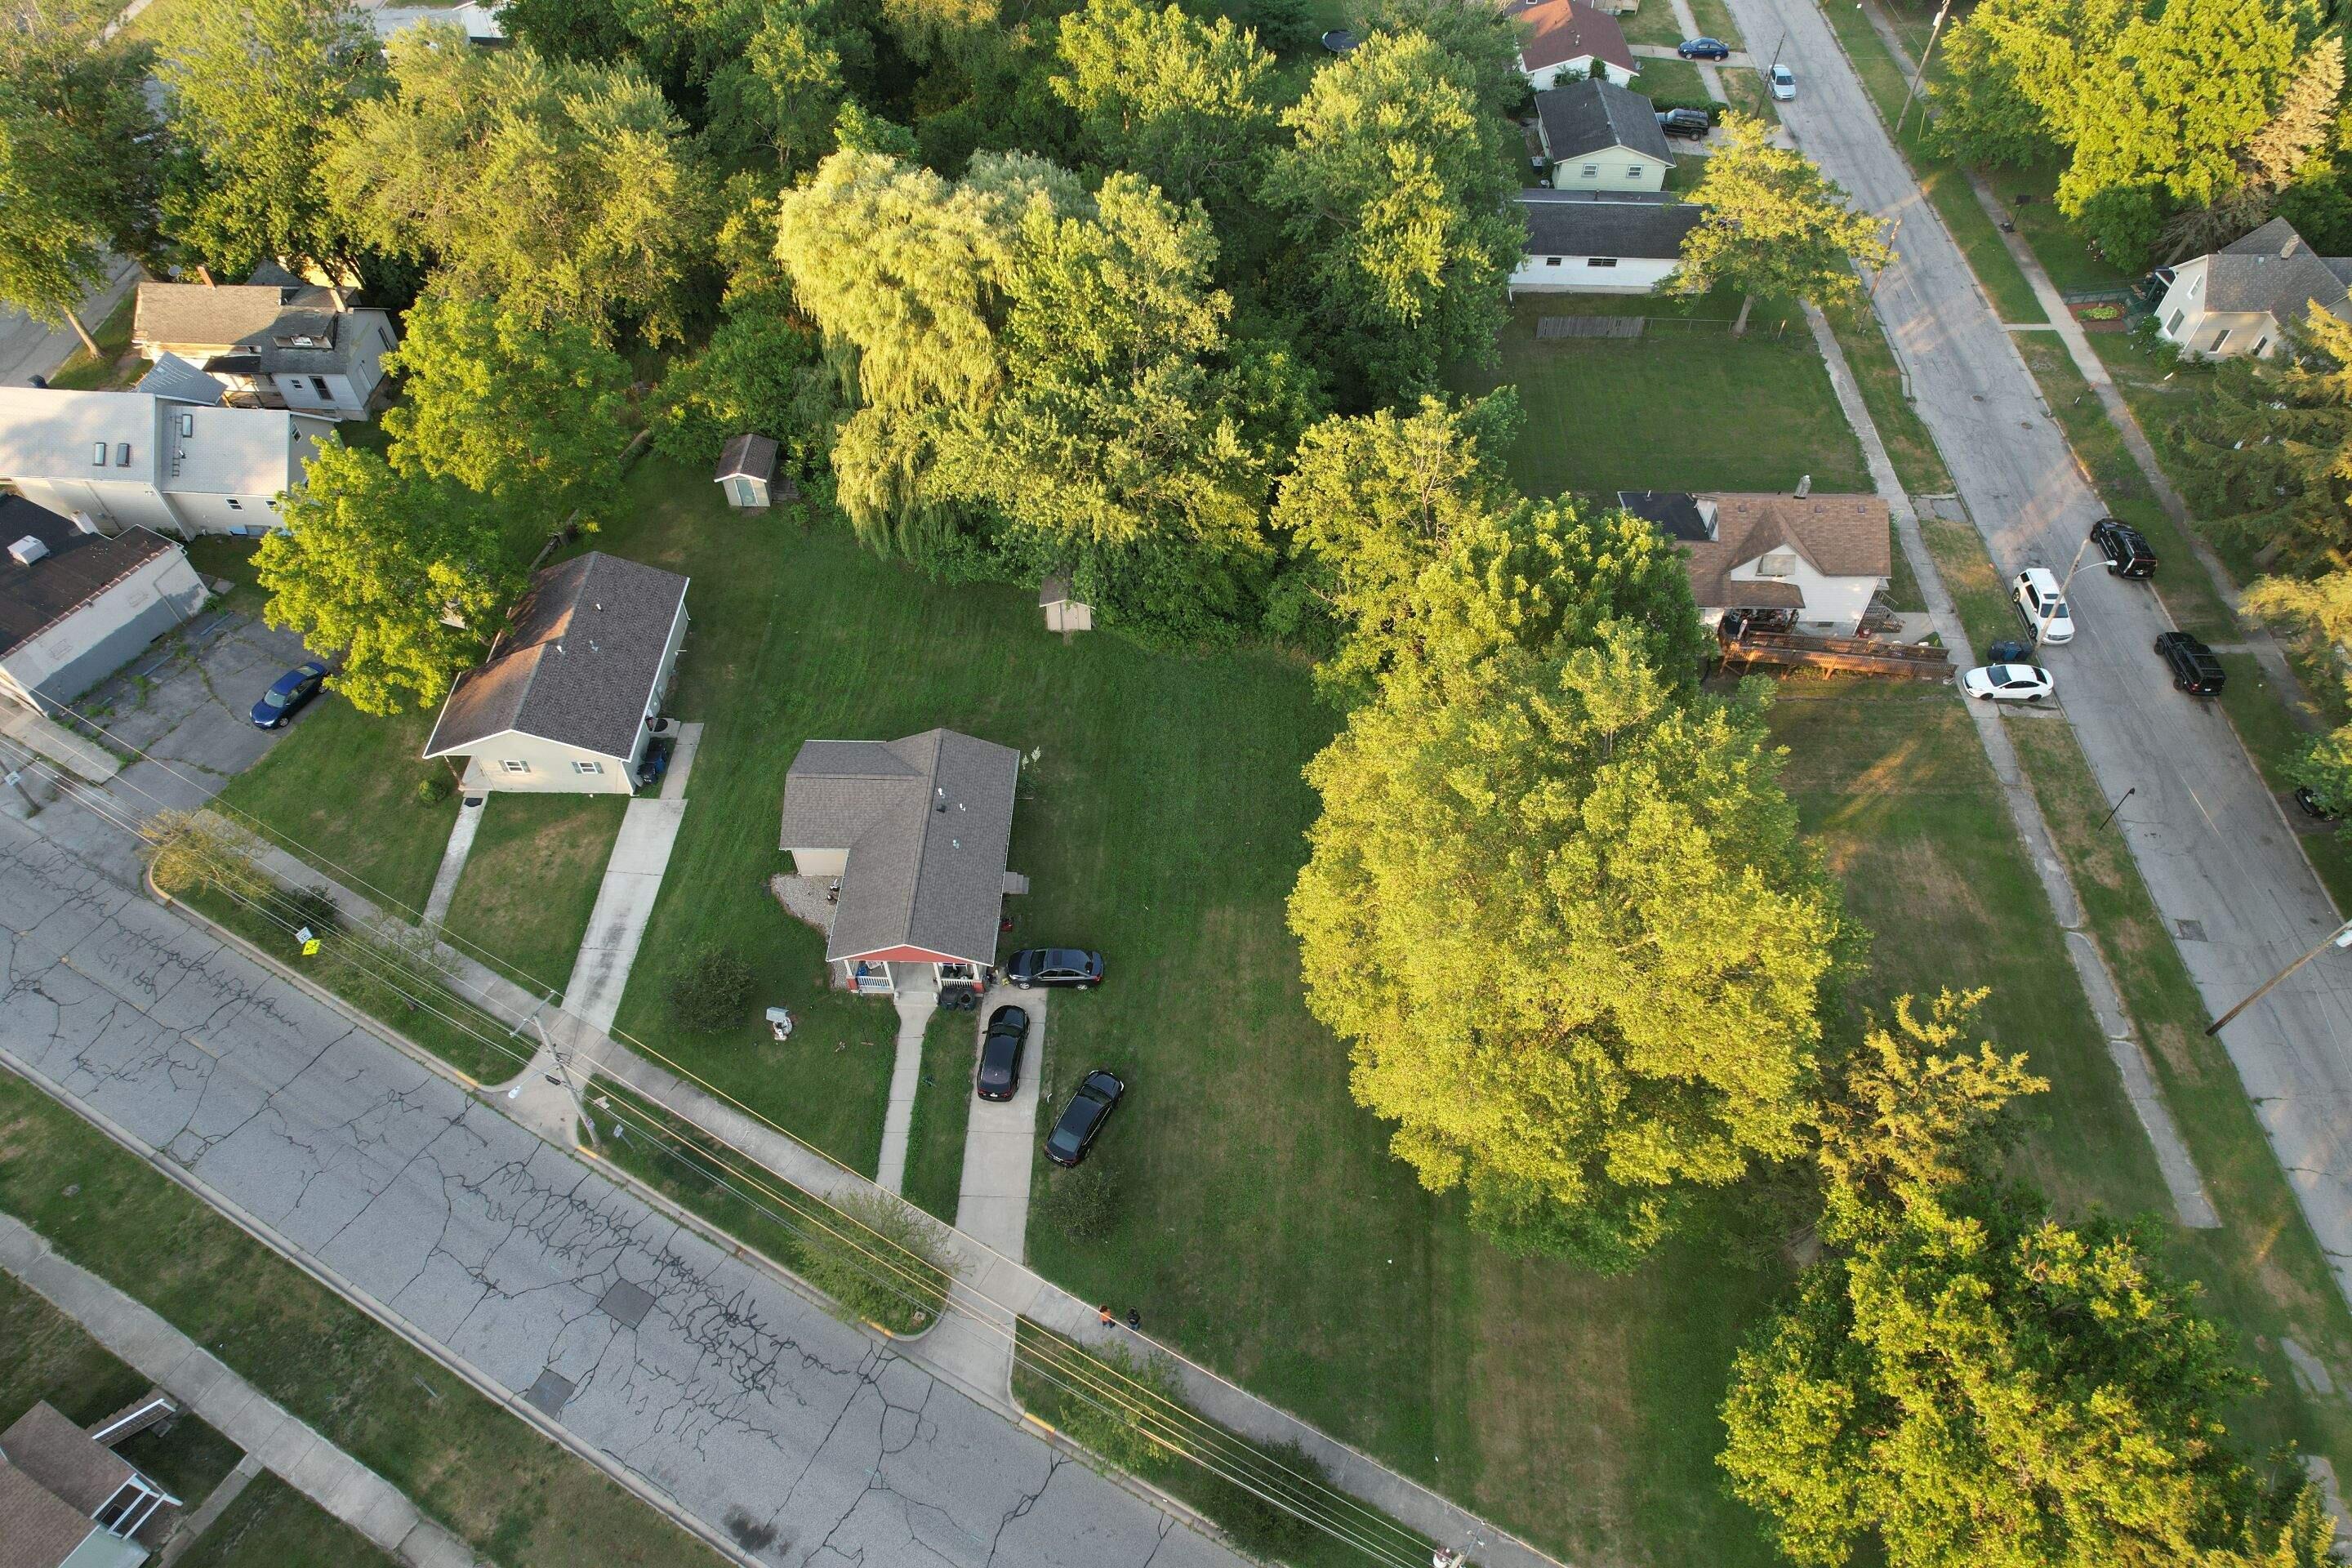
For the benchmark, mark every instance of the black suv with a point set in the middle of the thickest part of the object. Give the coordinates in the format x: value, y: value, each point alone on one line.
x: 2194, y: 668
x: 2127, y: 551
x: 1692, y: 124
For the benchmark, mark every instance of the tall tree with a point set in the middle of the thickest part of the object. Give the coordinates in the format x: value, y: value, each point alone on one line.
x: 80, y: 153
x: 560, y: 190
x: 763, y: 372
x: 2012, y: 72
x: 2163, y: 119
x: 1562, y: 917
x: 1774, y: 223
x: 1966, y: 1382
x: 2267, y: 454
x: 774, y: 104
x: 1374, y: 500
x: 2292, y: 146
x: 400, y: 575
x: 2322, y: 608
x: 1186, y: 104
x: 255, y: 91
x: 532, y: 417
x: 1396, y: 190
x: 1480, y: 40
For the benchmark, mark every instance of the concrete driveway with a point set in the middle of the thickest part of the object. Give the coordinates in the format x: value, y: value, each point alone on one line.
x: 2221, y: 863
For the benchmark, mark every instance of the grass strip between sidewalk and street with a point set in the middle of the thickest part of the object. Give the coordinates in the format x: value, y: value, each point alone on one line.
x: 873, y: 1266
x: 515, y: 1497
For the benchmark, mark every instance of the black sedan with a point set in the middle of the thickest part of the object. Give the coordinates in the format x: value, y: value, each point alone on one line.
x: 1055, y: 966
x: 287, y: 693
x: 1000, y: 1053
x: 1704, y: 50
x: 1082, y: 1118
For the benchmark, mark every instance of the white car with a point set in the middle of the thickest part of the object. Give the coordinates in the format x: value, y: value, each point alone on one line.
x: 2007, y: 683
x: 1784, y: 83
x: 2042, y: 606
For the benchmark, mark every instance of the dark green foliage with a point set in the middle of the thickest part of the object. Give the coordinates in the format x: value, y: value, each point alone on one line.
x: 709, y: 992
x: 313, y: 907
x: 762, y: 372
x: 435, y: 788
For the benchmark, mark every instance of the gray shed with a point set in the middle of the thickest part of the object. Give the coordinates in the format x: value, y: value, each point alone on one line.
x: 747, y: 470
x: 1064, y: 614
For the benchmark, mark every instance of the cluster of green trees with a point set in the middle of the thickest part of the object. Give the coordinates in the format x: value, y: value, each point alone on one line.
x: 2180, y: 125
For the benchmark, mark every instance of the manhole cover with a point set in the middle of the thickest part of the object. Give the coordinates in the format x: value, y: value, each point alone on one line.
x: 547, y: 1395
x: 627, y: 1304
x: 2190, y: 930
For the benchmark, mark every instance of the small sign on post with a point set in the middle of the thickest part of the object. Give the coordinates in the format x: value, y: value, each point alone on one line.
x: 309, y: 941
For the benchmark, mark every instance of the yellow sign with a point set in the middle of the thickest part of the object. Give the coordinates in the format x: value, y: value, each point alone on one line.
x: 311, y: 947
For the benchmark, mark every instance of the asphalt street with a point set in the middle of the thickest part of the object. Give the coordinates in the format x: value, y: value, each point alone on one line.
x: 2221, y: 863
x: 30, y: 348
x: 805, y: 1440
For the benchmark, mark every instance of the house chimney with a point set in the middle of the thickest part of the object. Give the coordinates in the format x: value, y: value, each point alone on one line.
x: 1804, y: 486
x: 335, y: 293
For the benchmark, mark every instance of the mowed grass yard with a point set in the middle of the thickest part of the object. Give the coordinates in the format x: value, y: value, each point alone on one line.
x: 1683, y: 406
x: 531, y: 880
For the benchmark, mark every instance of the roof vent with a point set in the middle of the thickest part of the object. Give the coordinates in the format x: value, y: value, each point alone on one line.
x: 85, y: 522
x: 27, y: 550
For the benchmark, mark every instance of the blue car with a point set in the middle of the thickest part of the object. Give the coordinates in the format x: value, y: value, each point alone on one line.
x: 1704, y: 50
x: 287, y: 694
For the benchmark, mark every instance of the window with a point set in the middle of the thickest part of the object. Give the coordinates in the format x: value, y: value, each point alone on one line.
x: 1634, y: 171
x: 1780, y: 563
x: 234, y: 504
x: 1593, y: 171
x: 98, y: 454
x: 1600, y: 261
x: 580, y: 766
x: 1552, y: 262
x: 122, y: 455
x: 2219, y: 337
x: 187, y: 424
x: 513, y: 766
x: 319, y: 385
x: 2174, y: 325
x: 383, y: 337
x: 2260, y: 345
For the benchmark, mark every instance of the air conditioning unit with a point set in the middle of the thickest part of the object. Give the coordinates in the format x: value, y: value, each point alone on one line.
x: 27, y: 550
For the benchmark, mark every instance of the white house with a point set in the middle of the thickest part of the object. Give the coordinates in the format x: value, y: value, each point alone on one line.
x: 276, y: 342
x: 76, y: 606
x: 143, y: 459
x: 478, y: 22
x: 1579, y: 246
x: 2234, y: 300
x: 68, y: 1500
x: 913, y: 835
x: 1601, y: 138
x: 1819, y: 559
x: 573, y: 687
x: 1568, y: 39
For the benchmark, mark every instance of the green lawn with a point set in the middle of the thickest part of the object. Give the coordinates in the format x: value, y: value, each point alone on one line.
x: 217, y: 556
x: 1714, y: 21
x: 1909, y: 447
x: 1747, y: 92
x: 116, y: 366
x: 531, y: 880
x: 1685, y: 407
x: 943, y: 1112
x: 1945, y: 181
x: 341, y: 789
x: 513, y: 1496
x: 271, y: 1525
x: 1653, y: 24
x: 1676, y: 80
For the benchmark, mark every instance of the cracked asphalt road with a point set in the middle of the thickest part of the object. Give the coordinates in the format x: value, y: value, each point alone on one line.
x: 807, y: 1441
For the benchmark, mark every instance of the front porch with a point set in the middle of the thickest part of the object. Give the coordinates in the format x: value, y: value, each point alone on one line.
x: 892, y: 972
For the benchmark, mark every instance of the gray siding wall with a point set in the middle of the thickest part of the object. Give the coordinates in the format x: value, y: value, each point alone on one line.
x: 108, y: 632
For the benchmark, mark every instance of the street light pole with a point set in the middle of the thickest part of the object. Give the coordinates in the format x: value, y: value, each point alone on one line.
x: 1921, y: 74
x: 2114, y: 808
x: 2340, y: 937
x: 563, y: 1066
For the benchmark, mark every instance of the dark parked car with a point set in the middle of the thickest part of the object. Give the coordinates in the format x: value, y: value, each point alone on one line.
x: 2194, y: 668
x: 2310, y: 805
x: 287, y: 693
x: 1000, y: 1053
x: 2010, y: 653
x: 1082, y: 1118
x: 2127, y: 551
x: 1055, y: 966
x: 1689, y: 123
x: 1704, y: 50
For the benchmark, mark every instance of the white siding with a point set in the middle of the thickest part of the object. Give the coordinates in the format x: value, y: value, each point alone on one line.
x: 820, y: 862
x: 96, y: 640
x: 547, y: 768
x: 113, y: 507
x: 1834, y: 605
x: 1573, y: 71
x: 1610, y: 169
x: 1579, y: 275
x: 227, y: 514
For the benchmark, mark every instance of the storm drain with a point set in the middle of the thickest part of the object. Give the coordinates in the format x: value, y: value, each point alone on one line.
x: 549, y: 1394
x: 2190, y: 930
x: 627, y: 1304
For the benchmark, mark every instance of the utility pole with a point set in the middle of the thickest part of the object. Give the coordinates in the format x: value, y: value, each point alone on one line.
x: 2340, y: 937
x: 563, y: 1066
x: 1878, y: 277
x: 1775, y: 51
x: 2114, y: 808
x: 1921, y: 74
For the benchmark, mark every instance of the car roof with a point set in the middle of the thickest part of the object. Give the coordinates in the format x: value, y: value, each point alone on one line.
x: 2042, y: 578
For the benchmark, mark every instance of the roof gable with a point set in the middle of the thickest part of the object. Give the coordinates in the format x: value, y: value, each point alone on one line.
x: 1839, y: 536
x: 1594, y: 116
x: 1651, y: 231
x: 1555, y: 32
x: 78, y: 568
x: 2272, y: 270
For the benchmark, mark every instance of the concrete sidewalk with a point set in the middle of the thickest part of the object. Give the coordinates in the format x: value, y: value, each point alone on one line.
x: 460, y: 850
x: 281, y: 1443
x: 624, y: 902
x: 915, y: 1012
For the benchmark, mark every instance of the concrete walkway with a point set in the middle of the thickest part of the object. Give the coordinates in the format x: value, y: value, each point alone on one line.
x: 84, y: 759
x: 915, y: 1010
x: 624, y: 902
x: 281, y: 1443
x: 2189, y: 1200
x: 1687, y: 21
x: 192, y: 1529
x: 452, y: 859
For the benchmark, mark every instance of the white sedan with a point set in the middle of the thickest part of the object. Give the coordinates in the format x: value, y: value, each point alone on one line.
x: 2008, y: 682
x: 1784, y: 83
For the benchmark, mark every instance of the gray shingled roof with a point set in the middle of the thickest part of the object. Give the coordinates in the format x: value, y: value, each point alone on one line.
x: 1592, y: 116
x: 747, y: 454
x: 1676, y: 512
x: 928, y: 822
x: 37, y: 1528
x: 1651, y: 230
x: 78, y: 568
x: 2272, y: 270
x: 67, y: 1461
x: 259, y: 319
x: 175, y: 378
x: 577, y: 663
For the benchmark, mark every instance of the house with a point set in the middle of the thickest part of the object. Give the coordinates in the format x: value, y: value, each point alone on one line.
x: 747, y: 472
x: 1599, y: 137
x: 573, y: 687
x: 275, y: 342
x: 76, y: 605
x: 1582, y: 247
x: 2234, y: 300
x: 1817, y: 559
x: 914, y: 834
x: 1567, y: 39
x: 479, y: 22
x: 68, y: 1500
x: 1064, y: 614
x: 144, y: 459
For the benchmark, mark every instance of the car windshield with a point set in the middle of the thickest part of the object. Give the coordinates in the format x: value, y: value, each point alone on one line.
x: 1783, y: 74
x: 276, y: 697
